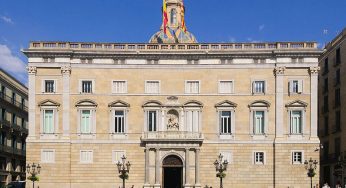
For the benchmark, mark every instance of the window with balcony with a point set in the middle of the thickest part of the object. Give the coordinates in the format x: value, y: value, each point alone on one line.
x: 259, y: 117
x: 152, y: 120
x: 192, y: 87
x: 86, y: 117
x: 49, y: 117
x: 259, y: 158
x: 152, y: 114
x: 296, y: 86
x: 152, y: 87
x: 119, y: 112
x: 14, y: 119
x: 296, y: 116
x: 297, y: 157
x: 259, y: 87
x: 226, y: 87
x: 119, y: 87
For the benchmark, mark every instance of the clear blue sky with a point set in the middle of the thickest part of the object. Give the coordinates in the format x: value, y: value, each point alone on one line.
x: 136, y: 20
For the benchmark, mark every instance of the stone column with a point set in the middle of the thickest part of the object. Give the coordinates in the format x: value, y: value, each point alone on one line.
x: 66, y: 72
x: 147, y: 183
x: 157, y: 167
x: 187, y: 167
x: 32, y: 101
x: 314, y: 100
x: 279, y: 95
x: 197, y: 181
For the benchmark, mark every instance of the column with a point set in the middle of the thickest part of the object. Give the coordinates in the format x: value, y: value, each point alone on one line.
x: 279, y: 104
x: 314, y: 100
x: 157, y: 167
x: 187, y: 167
x: 66, y: 72
x: 147, y: 183
x: 32, y: 101
x: 197, y: 181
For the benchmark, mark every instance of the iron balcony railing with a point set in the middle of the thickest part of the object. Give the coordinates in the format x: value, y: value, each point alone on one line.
x: 11, y: 100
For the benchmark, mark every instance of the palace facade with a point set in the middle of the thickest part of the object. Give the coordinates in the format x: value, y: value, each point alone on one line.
x: 171, y: 106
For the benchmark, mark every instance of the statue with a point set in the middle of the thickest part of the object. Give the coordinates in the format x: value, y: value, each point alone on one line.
x: 173, y: 123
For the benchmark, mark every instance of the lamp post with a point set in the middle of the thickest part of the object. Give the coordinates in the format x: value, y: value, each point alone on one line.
x: 124, y: 169
x: 220, y: 166
x: 311, y: 166
x: 33, y: 170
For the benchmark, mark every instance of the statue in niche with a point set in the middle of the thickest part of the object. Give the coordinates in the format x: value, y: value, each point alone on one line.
x: 173, y: 120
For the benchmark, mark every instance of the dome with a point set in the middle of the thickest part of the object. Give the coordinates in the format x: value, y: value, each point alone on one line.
x: 173, y: 36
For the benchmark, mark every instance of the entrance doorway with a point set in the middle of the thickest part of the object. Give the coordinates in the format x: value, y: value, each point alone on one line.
x: 172, y: 172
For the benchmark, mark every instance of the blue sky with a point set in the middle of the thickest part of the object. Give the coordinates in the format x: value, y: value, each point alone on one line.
x: 22, y: 21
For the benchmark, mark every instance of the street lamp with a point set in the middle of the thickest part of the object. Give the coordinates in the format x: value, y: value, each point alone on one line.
x: 33, y: 170
x: 124, y: 169
x: 311, y: 166
x: 220, y: 166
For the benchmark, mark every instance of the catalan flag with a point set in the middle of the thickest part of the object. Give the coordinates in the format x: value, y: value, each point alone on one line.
x: 165, y: 17
x: 183, y: 26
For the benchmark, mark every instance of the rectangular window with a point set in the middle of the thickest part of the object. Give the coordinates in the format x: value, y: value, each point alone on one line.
x: 87, y: 87
x: 259, y: 158
x: 13, y: 98
x: 337, y: 77
x: 225, y: 122
x: 326, y: 68
x: 226, y: 87
x: 259, y: 122
x: 47, y: 156
x: 86, y: 156
x: 192, y: 87
x: 119, y: 120
x: 296, y: 86
x: 85, y: 122
x: 325, y: 89
x: 258, y: 87
x: 117, y: 155
x: 296, y: 122
x: 297, y: 157
x: 49, y: 86
x: 325, y: 104
x: 192, y: 119
x: 338, y: 56
x: 119, y: 87
x: 337, y: 147
x: 14, y: 119
x: 326, y: 126
x: 337, y: 121
x: 152, y: 121
x: 3, y: 114
x: 152, y: 87
x: 337, y: 97
x: 226, y: 156
x: 48, y: 121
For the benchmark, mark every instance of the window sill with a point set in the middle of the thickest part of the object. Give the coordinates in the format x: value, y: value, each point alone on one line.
x: 226, y: 136
x: 87, y: 136
x: 118, y: 136
x: 259, y: 136
x: 48, y: 136
x: 296, y: 136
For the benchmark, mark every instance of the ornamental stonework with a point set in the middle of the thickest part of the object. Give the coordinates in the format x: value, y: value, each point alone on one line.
x: 314, y: 70
x: 279, y: 70
x: 31, y: 70
x: 66, y: 69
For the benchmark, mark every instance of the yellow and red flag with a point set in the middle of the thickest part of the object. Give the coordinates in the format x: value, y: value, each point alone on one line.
x: 183, y: 26
x: 165, y: 17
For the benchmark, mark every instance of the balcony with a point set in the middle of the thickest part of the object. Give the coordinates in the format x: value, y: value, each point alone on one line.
x: 169, y: 136
x: 5, y: 123
x: 10, y: 100
x: 11, y: 150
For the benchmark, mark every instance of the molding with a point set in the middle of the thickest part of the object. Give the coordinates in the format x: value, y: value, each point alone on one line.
x: 31, y: 70
x: 66, y: 69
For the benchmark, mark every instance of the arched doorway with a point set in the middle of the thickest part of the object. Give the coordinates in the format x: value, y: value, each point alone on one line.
x: 172, y: 172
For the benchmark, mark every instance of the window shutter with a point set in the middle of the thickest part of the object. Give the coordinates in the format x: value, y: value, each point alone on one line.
x: 290, y: 86
x: 300, y: 86
x: 253, y: 87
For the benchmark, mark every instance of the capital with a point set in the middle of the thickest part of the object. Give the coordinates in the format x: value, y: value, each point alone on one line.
x: 314, y: 70
x: 279, y: 70
x: 66, y: 69
x: 31, y: 69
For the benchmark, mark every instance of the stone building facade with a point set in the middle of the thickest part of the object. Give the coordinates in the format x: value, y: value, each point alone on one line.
x: 13, y: 128
x: 171, y: 107
x: 331, y: 111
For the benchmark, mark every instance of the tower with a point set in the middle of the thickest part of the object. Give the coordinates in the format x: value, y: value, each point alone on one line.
x: 173, y: 28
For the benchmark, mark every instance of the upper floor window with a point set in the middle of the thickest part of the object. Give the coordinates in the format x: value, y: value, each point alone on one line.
x: 296, y: 114
x: 226, y: 118
x: 226, y: 87
x: 326, y: 68
x: 296, y: 86
x: 192, y: 87
x: 152, y: 110
x: 49, y: 86
x: 258, y: 87
x: 193, y: 116
x: 337, y: 77
x: 152, y: 87
x: 338, y: 56
x: 87, y: 86
x: 49, y: 123
x: 86, y: 117
x: 119, y: 87
x: 119, y: 111
x: 259, y: 117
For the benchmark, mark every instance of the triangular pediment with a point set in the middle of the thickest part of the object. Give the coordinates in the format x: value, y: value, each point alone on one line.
x: 118, y: 103
x: 297, y: 103
x: 260, y: 103
x: 226, y: 103
x: 48, y: 102
x: 193, y: 103
x: 86, y: 102
x: 152, y: 103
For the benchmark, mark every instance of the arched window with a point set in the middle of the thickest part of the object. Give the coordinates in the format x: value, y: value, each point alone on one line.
x: 174, y: 17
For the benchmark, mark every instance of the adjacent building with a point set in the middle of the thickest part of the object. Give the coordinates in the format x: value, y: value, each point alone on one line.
x: 171, y: 106
x: 332, y: 92
x: 13, y: 128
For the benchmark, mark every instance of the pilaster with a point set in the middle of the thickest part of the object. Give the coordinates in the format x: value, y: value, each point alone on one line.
x: 314, y: 100
x: 187, y: 168
x: 32, y: 101
x: 157, y: 167
x: 279, y: 99
x: 146, y: 179
x: 66, y: 72
x: 197, y: 180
